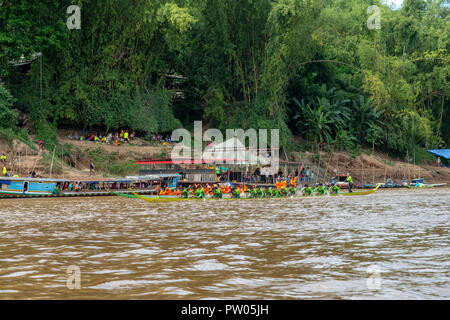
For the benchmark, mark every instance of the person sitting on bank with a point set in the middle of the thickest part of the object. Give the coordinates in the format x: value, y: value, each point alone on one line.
x: 3, y: 158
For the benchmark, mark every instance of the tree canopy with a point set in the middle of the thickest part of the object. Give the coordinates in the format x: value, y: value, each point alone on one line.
x: 311, y: 68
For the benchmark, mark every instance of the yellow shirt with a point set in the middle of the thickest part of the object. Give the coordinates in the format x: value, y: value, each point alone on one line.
x: 4, y: 170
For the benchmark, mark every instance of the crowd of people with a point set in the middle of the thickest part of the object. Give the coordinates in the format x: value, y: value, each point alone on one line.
x: 117, y: 138
x: 161, y: 138
x: 281, y: 189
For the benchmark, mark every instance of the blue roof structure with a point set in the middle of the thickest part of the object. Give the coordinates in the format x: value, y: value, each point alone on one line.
x: 444, y: 153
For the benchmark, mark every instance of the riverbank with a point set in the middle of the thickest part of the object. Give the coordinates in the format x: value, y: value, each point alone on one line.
x: 71, y: 160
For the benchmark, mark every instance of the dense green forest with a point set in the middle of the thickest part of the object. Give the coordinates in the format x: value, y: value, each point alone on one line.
x: 312, y: 68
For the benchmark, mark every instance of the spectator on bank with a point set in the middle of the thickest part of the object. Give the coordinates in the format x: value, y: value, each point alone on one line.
x: 91, y: 168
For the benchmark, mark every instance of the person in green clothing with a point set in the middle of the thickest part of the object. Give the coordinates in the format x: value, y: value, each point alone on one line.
x: 236, y: 193
x: 334, y: 189
x: 218, y: 193
x: 307, y: 190
x: 262, y: 194
x: 254, y: 193
x: 292, y: 191
x: 321, y: 190
x: 186, y: 193
x: 270, y: 192
x: 276, y: 193
x: 284, y: 191
x: 350, y: 182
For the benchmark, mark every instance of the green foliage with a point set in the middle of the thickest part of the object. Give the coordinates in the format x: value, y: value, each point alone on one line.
x: 423, y: 156
x: 110, y: 164
x: 154, y: 66
x: 48, y: 133
x: 122, y: 168
x: 7, y: 115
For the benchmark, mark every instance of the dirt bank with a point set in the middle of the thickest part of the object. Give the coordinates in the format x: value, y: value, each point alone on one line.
x: 71, y: 159
x: 74, y: 162
x: 372, y: 168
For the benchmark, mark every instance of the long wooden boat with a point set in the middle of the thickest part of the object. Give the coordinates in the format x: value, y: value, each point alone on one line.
x: 433, y: 185
x: 360, y: 193
x: 164, y: 198
x: 38, y: 187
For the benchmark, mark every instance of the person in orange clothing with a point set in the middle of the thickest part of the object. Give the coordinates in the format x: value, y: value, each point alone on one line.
x: 294, y: 182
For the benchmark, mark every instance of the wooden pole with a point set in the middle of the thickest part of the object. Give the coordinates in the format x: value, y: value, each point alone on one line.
x: 51, y: 166
x: 414, y: 159
x: 362, y: 168
x: 328, y: 163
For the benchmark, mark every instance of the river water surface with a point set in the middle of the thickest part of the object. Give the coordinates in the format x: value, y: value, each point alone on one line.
x: 389, y: 245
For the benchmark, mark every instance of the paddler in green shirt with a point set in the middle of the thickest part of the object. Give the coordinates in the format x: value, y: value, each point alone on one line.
x: 200, y: 193
x: 262, y: 194
x: 218, y: 193
x: 284, y: 191
x: 321, y: 190
x: 186, y: 192
x: 270, y: 192
x: 276, y: 193
x: 350, y: 182
x: 334, y: 189
x: 306, y: 190
x: 292, y: 190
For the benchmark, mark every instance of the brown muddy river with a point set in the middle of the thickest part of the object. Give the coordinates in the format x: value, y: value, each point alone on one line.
x: 389, y: 245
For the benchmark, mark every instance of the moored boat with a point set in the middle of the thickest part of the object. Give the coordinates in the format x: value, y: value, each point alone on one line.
x: 38, y: 187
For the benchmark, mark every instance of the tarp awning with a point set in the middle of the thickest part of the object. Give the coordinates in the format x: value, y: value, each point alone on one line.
x: 444, y: 153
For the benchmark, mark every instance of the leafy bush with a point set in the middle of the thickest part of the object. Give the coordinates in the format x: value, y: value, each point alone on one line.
x: 7, y: 115
x: 48, y: 133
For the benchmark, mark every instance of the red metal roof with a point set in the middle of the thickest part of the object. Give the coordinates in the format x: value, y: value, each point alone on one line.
x: 203, y: 161
x: 184, y: 161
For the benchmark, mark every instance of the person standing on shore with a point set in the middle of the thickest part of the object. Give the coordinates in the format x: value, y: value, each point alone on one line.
x: 91, y: 168
x: 3, y: 158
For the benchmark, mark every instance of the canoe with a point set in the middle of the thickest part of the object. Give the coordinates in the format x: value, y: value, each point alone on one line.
x: 175, y: 198
x: 427, y: 186
x: 361, y: 193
